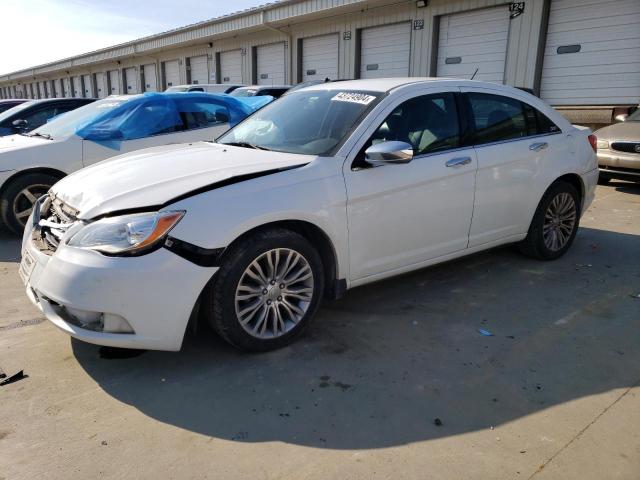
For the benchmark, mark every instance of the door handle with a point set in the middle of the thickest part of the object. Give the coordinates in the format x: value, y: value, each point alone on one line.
x: 536, y: 147
x: 457, y: 162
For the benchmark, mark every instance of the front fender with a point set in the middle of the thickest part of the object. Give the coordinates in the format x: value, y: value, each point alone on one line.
x: 314, y: 194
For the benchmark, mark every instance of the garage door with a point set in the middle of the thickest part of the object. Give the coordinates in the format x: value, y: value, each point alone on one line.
x: 474, y: 40
x: 320, y: 57
x: 271, y: 64
x: 198, y: 70
x: 150, y: 78
x: 171, y: 73
x: 592, y: 55
x: 384, y: 51
x: 131, y: 79
x: 114, y: 82
x: 231, y: 66
x: 101, y: 88
x: 77, y: 87
x: 88, y: 87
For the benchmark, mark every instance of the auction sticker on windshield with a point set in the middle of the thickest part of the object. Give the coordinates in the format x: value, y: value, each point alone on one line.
x: 352, y: 97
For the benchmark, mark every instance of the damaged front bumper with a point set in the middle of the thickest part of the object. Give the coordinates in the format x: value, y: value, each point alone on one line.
x: 131, y: 302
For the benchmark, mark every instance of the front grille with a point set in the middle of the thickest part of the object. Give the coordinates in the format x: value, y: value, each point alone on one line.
x: 627, y: 147
x: 54, y: 219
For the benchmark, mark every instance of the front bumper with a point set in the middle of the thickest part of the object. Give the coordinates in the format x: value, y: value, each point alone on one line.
x: 154, y: 293
x: 619, y: 164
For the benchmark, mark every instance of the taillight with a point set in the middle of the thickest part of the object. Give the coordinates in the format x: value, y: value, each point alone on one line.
x: 593, y: 140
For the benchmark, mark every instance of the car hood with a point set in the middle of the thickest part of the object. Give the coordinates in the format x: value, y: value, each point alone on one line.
x: 620, y: 131
x: 17, y: 142
x: 156, y: 176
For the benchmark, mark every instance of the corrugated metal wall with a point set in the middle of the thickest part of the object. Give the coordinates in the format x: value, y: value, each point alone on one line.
x: 296, y: 20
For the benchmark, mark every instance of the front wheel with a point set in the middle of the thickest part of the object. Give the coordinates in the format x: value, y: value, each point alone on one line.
x: 266, y: 292
x: 19, y: 196
x: 555, y: 223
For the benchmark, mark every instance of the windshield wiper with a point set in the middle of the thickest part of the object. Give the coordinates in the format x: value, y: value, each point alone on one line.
x: 247, y: 145
x: 38, y: 134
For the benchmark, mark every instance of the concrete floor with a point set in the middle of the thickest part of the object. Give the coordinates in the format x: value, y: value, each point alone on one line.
x: 553, y: 394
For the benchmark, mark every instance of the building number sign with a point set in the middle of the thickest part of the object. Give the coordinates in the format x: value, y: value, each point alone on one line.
x: 516, y: 9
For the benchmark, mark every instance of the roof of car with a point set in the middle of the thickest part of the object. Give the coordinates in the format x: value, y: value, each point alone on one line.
x: 388, y: 84
x: 262, y: 87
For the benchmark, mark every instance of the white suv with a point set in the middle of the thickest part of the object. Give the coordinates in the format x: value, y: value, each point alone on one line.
x: 330, y: 187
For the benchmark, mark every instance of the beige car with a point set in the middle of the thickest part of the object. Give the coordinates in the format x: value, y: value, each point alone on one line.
x: 619, y: 150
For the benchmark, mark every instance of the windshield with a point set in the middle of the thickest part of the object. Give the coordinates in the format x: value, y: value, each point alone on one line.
x: 13, y: 110
x: 65, y: 125
x: 244, y: 92
x: 306, y: 122
x: 177, y: 89
x: 634, y: 117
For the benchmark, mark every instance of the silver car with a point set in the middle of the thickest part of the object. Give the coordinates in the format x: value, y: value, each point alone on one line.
x: 619, y: 150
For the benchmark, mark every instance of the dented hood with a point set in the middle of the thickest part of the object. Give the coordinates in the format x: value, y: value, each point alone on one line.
x: 155, y: 176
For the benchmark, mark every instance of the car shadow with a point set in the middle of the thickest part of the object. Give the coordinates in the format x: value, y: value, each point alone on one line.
x: 378, y: 367
x: 10, y: 245
x: 626, y: 187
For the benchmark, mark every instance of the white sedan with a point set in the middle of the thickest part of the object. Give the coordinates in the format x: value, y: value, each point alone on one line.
x: 31, y: 163
x: 328, y: 188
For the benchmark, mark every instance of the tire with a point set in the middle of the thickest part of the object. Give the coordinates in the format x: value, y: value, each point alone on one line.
x: 18, y: 197
x: 534, y: 245
x: 603, y: 179
x: 225, y: 305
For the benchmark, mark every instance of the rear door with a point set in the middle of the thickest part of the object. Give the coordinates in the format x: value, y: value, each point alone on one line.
x: 401, y: 215
x: 513, y: 145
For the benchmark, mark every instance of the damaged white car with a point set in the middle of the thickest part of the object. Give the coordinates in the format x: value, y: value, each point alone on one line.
x: 331, y: 187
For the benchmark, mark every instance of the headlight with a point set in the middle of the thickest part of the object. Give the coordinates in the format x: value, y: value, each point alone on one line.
x: 126, y: 234
x: 603, y: 144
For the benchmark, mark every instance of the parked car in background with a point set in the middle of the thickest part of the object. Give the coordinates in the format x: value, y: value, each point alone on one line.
x: 205, y: 87
x: 619, y: 149
x: 10, y: 103
x: 31, y: 163
x: 274, y: 91
x: 332, y: 187
x: 29, y: 115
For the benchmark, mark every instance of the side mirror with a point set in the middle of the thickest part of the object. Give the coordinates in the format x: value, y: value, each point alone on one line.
x: 20, y: 124
x: 389, y: 152
x: 621, y: 118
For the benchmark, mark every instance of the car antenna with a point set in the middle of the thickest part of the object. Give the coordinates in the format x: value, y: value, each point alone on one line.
x: 474, y: 73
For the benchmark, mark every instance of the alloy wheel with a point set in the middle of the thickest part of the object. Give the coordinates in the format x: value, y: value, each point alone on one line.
x: 24, y: 200
x: 559, y: 221
x: 274, y: 293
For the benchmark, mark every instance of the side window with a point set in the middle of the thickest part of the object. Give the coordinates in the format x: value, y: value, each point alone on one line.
x: 429, y: 123
x: 537, y: 122
x: 497, y: 118
x: 40, y: 117
x: 201, y: 114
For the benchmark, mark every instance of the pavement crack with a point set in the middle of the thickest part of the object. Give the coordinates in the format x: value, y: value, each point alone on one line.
x: 581, y: 432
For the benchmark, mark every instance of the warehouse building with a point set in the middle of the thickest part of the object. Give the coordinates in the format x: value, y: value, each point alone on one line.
x: 582, y: 56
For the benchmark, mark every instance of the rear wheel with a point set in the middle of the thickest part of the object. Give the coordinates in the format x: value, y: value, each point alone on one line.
x: 603, y: 179
x: 16, y: 201
x: 555, y: 223
x: 266, y: 292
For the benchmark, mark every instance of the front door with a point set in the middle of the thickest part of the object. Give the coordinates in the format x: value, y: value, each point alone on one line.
x: 403, y: 214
